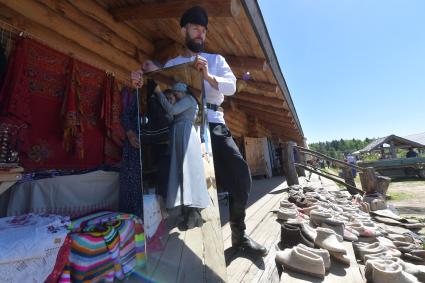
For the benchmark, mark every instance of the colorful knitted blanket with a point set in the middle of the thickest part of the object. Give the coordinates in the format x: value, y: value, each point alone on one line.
x: 105, y: 246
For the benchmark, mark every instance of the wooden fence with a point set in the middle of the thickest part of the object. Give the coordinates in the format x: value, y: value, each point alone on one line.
x: 295, y: 164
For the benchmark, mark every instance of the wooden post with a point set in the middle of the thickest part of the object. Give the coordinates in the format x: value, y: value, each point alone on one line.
x: 301, y: 159
x: 383, y: 184
x: 368, y: 180
x: 288, y: 163
x: 393, y: 150
x: 349, y: 179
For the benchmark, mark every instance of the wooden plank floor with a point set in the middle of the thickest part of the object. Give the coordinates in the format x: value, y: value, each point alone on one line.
x: 194, y: 255
x: 262, y: 226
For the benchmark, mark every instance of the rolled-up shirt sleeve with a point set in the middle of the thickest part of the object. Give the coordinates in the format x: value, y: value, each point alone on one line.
x: 225, y: 78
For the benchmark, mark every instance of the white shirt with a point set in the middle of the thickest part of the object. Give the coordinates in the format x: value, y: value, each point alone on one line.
x: 220, y: 70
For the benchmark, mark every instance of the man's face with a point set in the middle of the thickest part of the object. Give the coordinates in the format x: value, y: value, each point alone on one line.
x: 194, y: 36
x: 171, y: 98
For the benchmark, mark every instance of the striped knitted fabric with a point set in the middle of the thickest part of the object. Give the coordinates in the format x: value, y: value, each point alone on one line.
x: 105, y: 246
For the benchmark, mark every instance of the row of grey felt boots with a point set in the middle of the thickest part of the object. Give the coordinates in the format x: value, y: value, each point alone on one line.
x: 315, y: 222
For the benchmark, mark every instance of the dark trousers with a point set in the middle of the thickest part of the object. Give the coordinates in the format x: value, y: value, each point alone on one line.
x: 232, y: 175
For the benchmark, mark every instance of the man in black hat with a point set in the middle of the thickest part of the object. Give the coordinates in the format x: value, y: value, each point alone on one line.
x: 231, y: 170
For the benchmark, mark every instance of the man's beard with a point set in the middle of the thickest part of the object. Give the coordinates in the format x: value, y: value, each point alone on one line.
x: 194, y: 46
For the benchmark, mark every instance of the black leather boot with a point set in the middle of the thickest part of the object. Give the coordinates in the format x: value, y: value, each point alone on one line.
x: 240, y: 240
x: 194, y: 218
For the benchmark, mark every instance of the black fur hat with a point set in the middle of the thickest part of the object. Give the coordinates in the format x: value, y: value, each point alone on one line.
x: 195, y: 15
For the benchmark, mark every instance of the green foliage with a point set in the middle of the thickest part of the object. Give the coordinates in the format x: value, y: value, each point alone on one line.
x: 337, y: 148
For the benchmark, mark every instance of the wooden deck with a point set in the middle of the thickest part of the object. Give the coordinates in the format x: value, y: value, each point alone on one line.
x: 196, y: 255
x: 262, y: 226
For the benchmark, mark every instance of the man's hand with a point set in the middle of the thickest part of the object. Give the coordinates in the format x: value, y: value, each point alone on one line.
x: 137, y: 79
x: 132, y: 138
x: 201, y: 64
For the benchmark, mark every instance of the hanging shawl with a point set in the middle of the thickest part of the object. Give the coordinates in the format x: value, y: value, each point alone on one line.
x: 110, y: 115
x: 71, y: 113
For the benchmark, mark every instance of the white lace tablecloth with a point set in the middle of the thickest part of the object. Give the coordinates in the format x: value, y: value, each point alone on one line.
x: 29, y: 245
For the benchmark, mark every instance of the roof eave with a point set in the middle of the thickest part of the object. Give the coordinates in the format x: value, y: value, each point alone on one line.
x: 253, y: 12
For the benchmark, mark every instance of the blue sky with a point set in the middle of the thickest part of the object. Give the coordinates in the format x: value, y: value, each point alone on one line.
x: 355, y: 68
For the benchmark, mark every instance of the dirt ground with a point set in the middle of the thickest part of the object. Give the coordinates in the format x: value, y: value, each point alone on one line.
x: 408, y: 197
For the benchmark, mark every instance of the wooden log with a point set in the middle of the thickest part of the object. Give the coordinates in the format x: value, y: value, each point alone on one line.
x: 318, y: 154
x: 288, y: 163
x: 349, y: 179
x: 301, y: 158
x: 64, y: 8
x: 247, y: 63
x: 282, y: 128
x: 166, y: 50
x: 326, y: 175
x: 285, y: 135
x: 300, y: 171
x: 368, y: 180
x: 267, y: 118
x: 273, y: 110
x: 60, y: 43
x: 393, y: 150
x: 252, y: 109
x: 175, y: 48
x: 383, y: 184
x: 48, y: 18
x: 260, y: 99
x: 174, y: 9
x: 261, y: 86
x: 98, y: 13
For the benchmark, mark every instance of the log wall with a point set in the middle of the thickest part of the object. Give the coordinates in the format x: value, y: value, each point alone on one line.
x: 87, y: 30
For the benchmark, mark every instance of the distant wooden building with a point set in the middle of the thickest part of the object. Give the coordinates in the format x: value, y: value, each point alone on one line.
x: 387, y: 146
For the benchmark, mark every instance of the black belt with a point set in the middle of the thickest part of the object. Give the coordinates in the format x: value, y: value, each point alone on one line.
x: 213, y: 107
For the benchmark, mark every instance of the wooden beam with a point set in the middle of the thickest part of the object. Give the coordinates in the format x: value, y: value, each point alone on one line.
x: 247, y: 63
x: 265, y: 108
x: 286, y: 137
x: 269, y: 118
x: 277, y: 128
x: 167, y: 49
x: 260, y: 99
x: 174, y: 9
x: 261, y: 86
x: 275, y: 125
x: 93, y: 10
x: 48, y: 18
x: 70, y: 12
x: 60, y: 43
x: 276, y: 122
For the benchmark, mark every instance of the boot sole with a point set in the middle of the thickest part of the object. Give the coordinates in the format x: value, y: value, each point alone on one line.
x: 250, y: 251
x: 288, y: 267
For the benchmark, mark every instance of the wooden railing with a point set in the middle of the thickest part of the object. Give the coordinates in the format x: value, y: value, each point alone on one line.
x: 293, y: 167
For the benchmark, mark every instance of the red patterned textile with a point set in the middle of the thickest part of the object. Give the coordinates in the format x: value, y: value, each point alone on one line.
x: 61, y: 261
x: 60, y: 99
x: 111, y: 110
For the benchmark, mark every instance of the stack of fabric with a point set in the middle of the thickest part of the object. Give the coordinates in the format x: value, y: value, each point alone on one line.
x: 30, y: 246
x: 105, y: 246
